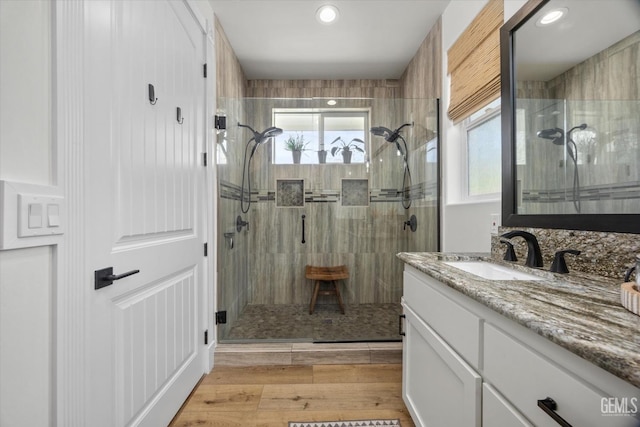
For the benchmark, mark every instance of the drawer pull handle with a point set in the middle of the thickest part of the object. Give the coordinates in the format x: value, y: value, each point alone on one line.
x: 549, y: 406
x: 400, y: 331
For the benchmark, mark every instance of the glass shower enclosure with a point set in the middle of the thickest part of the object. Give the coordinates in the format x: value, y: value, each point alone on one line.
x: 280, y: 211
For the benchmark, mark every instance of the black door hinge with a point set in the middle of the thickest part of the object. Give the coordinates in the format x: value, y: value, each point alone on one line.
x: 206, y: 249
x: 204, y: 159
x: 206, y: 337
x: 204, y: 70
x: 221, y: 317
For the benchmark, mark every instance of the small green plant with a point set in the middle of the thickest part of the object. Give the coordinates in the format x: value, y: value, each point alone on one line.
x: 296, y: 143
x: 346, y: 147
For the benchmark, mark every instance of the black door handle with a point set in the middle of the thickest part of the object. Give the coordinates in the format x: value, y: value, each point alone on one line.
x: 400, y: 331
x: 549, y: 406
x: 105, y: 277
x: 303, y: 239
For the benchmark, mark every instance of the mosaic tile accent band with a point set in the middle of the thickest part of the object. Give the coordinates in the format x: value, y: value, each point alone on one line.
x: 419, y: 191
x: 227, y: 190
x: 625, y: 191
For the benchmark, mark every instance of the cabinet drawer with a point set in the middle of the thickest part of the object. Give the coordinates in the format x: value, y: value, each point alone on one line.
x: 457, y: 326
x: 523, y: 377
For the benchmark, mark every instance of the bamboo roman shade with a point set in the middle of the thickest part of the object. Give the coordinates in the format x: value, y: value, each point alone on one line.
x: 474, y: 63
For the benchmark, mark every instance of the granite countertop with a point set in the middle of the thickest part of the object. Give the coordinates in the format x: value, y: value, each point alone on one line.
x: 578, y: 311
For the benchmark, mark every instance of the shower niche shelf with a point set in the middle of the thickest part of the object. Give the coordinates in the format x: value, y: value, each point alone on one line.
x: 290, y: 193
x: 355, y: 192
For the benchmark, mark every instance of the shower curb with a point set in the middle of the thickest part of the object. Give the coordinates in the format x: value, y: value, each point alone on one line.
x: 252, y: 354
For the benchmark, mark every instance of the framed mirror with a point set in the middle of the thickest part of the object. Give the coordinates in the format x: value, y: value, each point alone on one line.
x: 571, y: 115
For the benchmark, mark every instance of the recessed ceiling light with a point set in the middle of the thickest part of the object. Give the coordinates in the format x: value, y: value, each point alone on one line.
x: 327, y: 14
x: 552, y: 16
x: 331, y: 102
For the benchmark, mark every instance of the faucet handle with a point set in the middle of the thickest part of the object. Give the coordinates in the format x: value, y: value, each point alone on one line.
x: 510, y: 254
x: 559, y: 264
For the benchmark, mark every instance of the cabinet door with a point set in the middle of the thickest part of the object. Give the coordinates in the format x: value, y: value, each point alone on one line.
x: 497, y: 412
x: 439, y: 387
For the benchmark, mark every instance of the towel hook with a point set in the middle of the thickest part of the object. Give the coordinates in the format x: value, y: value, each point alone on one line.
x: 179, y: 117
x: 152, y: 95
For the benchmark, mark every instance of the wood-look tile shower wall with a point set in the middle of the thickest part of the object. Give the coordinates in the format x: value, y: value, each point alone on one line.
x: 366, y: 239
x: 423, y: 80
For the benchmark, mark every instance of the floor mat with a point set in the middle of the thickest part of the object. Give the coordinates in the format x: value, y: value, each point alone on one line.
x: 358, y: 423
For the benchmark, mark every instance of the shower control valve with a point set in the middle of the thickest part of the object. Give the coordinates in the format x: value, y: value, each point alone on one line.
x: 412, y: 223
x: 240, y: 223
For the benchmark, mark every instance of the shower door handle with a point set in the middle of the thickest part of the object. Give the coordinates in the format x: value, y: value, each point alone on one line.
x: 303, y: 240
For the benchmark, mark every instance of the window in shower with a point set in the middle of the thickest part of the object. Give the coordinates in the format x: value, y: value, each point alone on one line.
x: 319, y: 132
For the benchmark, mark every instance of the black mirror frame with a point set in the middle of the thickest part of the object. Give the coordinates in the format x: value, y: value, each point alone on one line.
x: 623, y: 223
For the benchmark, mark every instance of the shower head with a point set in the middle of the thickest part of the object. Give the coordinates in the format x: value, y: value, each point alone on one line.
x: 381, y: 131
x: 555, y: 135
x: 262, y: 137
x: 583, y: 126
x: 269, y: 132
x: 388, y: 134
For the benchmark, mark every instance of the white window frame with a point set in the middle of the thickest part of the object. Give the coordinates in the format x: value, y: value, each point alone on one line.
x: 328, y: 112
x: 475, y: 120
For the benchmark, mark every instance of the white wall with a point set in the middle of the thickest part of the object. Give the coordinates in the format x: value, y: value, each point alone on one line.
x: 466, y: 227
x: 26, y: 276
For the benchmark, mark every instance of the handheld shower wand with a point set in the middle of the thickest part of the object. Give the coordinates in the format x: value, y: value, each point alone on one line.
x: 558, y: 137
x: 393, y: 137
x: 258, y: 138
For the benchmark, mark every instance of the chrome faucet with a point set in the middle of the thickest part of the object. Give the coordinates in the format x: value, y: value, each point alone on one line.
x: 534, y: 254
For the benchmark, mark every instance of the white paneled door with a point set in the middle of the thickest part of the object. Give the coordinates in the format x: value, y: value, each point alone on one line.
x: 145, y: 208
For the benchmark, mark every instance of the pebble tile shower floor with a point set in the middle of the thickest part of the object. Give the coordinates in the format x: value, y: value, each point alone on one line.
x: 362, y: 322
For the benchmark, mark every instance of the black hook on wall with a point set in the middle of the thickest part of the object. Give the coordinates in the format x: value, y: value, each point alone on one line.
x: 152, y: 95
x: 179, y: 117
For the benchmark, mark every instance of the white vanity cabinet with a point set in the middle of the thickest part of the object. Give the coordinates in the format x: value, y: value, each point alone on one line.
x: 467, y: 365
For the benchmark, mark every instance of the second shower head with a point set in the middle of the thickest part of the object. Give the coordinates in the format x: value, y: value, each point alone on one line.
x: 557, y: 135
x: 388, y: 134
x: 262, y: 137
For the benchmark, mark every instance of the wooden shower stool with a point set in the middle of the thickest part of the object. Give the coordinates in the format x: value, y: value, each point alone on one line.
x: 326, y: 274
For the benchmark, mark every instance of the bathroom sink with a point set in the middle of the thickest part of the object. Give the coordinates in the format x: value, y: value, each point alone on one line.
x: 488, y: 270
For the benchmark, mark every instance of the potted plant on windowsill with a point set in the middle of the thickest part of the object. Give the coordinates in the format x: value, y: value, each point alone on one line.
x: 296, y: 144
x: 346, y: 148
x: 322, y: 156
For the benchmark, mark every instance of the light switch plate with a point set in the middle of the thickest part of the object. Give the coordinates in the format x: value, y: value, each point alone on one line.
x: 25, y: 206
x: 32, y: 214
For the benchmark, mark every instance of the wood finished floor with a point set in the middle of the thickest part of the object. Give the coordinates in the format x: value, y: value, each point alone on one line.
x: 270, y: 396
